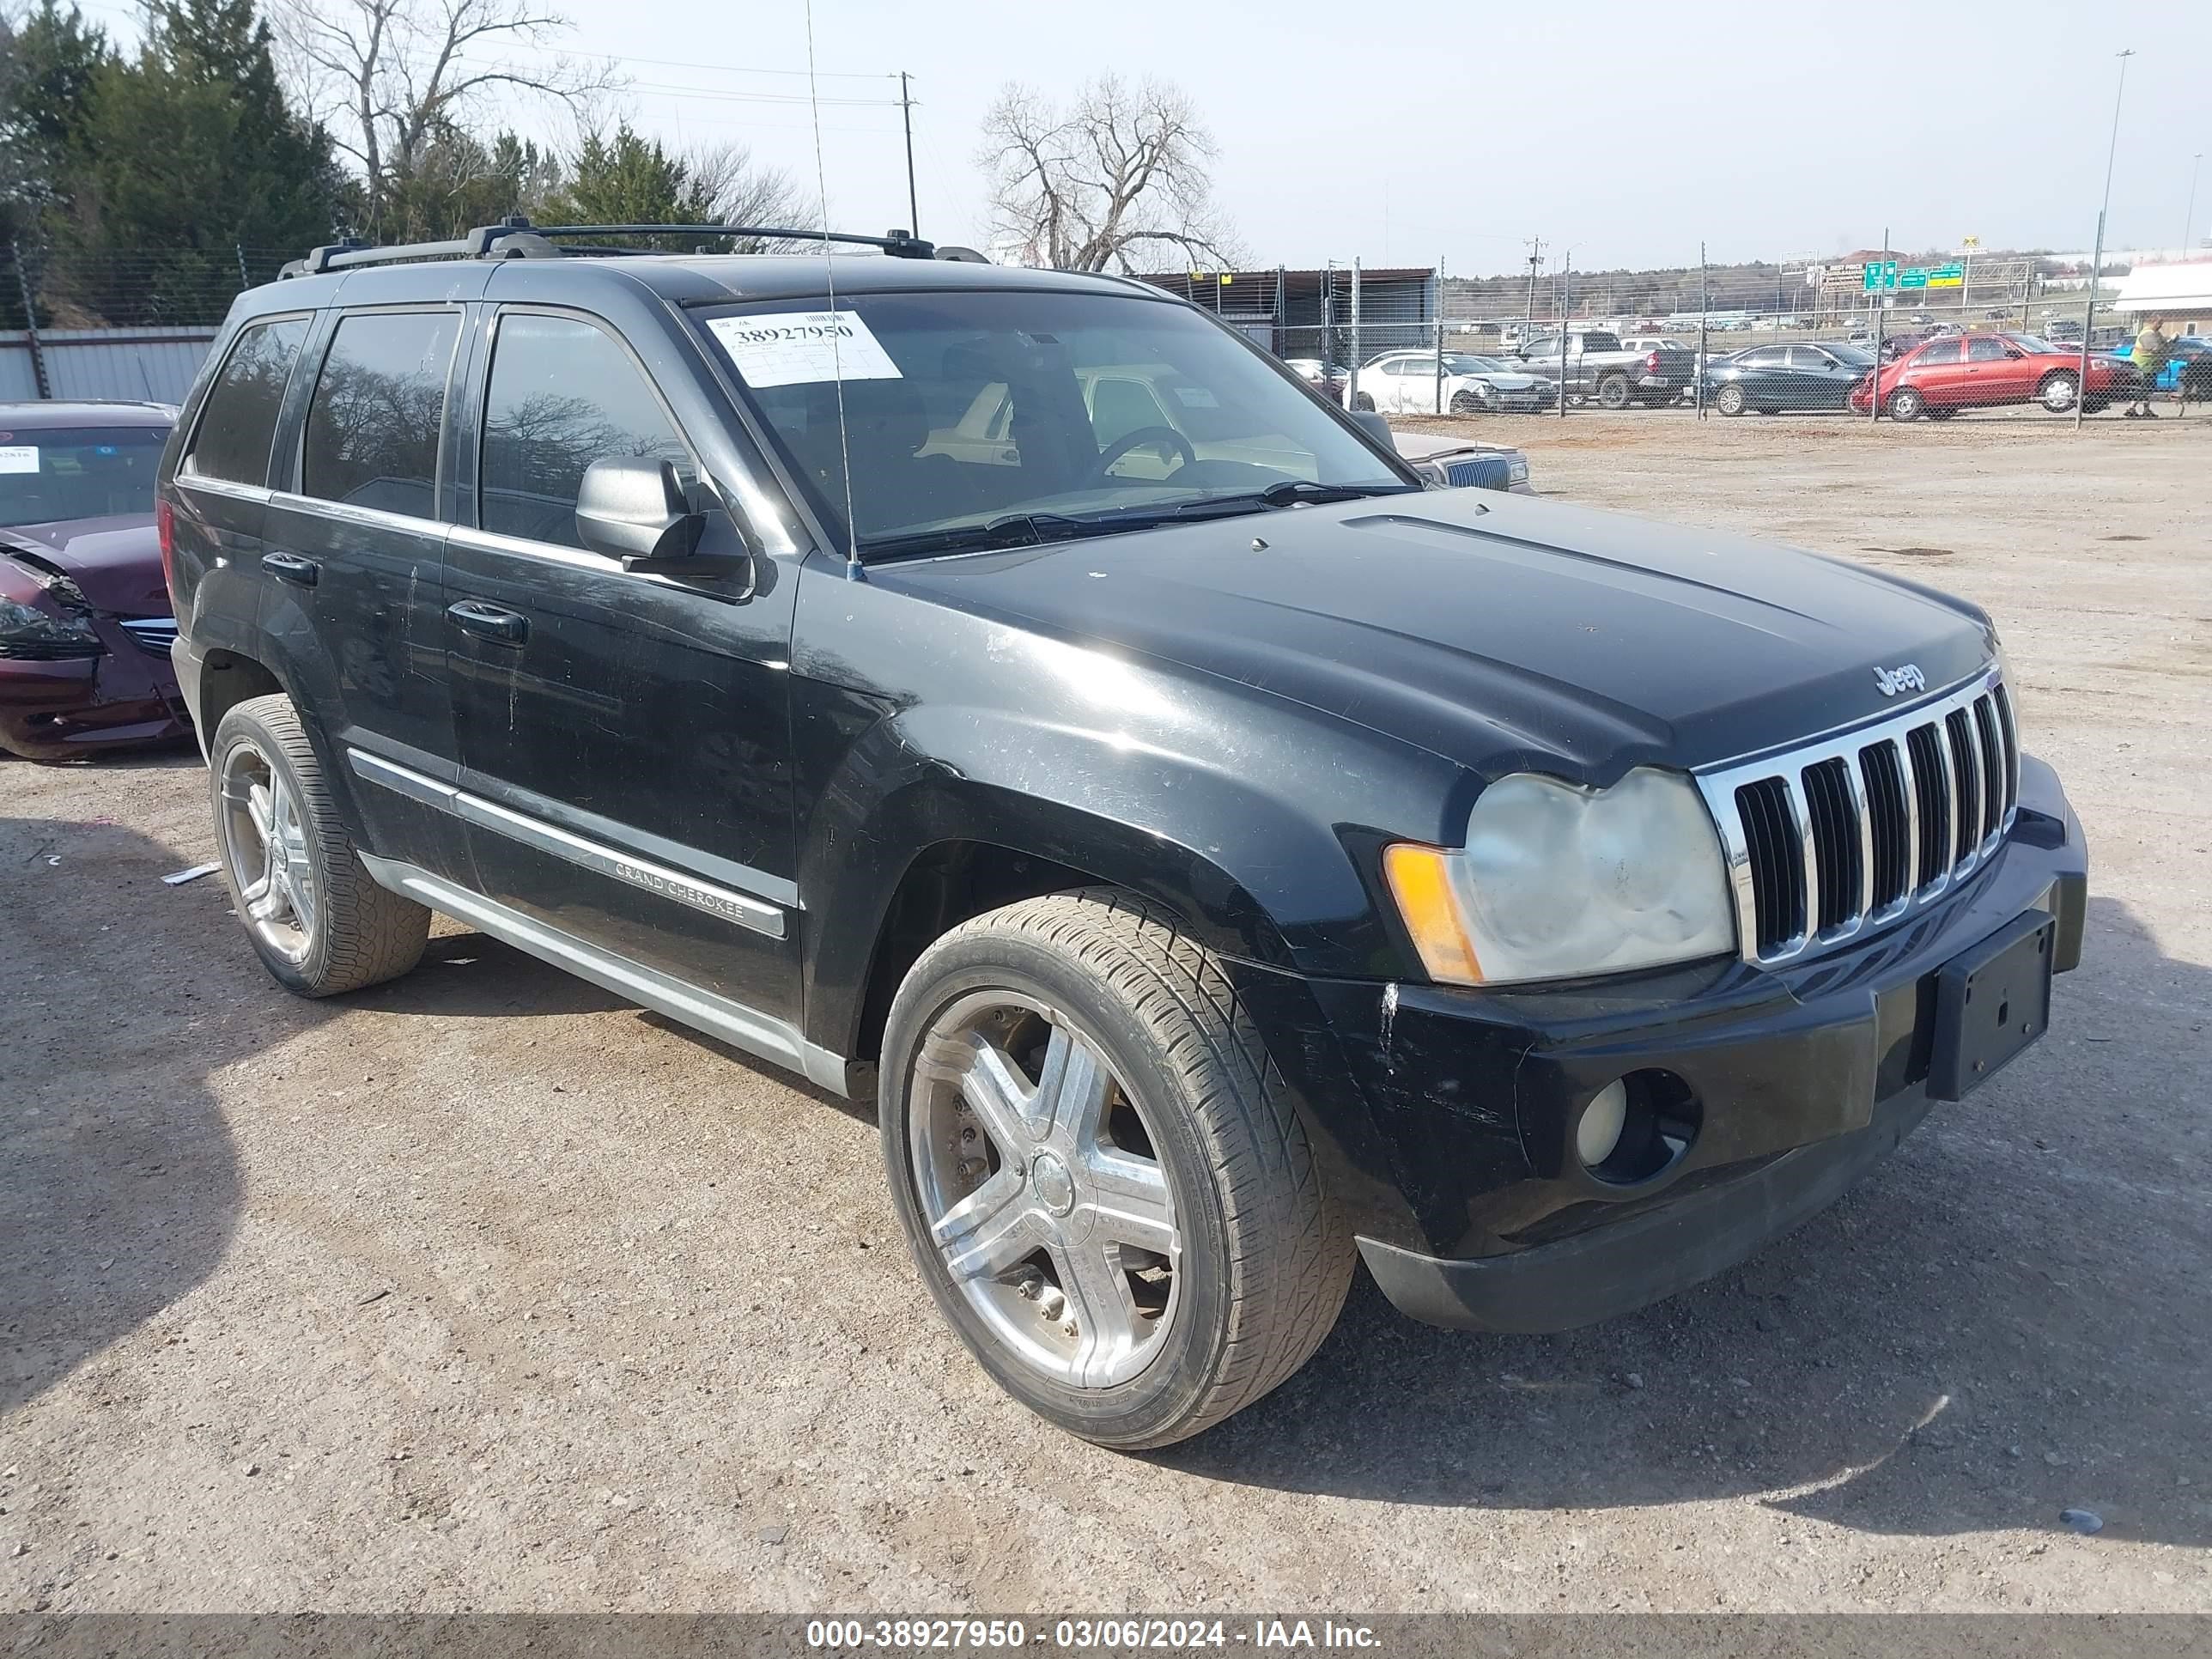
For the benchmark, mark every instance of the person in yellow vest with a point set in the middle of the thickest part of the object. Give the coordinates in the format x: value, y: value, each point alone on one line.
x: 2150, y: 354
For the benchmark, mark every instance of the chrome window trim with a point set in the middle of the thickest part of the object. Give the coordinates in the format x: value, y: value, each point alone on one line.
x: 189, y: 479
x: 1718, y: 784
x: 740, y: 909
x: 374, y: 517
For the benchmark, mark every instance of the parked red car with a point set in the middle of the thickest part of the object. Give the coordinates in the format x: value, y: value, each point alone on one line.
x: 85, y: 619
x: 1940, y: 377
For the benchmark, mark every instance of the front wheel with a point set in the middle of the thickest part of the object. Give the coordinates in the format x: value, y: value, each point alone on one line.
x: 1906, y: 405
x: 2056, y: 393
x: 1465, y: 402
x: 319, y: 924
x: 1099, y: 1172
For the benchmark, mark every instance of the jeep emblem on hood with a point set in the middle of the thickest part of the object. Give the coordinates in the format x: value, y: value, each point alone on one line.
x: 1907, y: 677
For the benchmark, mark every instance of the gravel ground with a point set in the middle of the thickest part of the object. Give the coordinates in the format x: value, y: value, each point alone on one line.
x: 486, y: 1290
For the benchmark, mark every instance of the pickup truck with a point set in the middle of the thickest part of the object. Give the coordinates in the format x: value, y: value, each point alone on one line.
x: 1596, y: 365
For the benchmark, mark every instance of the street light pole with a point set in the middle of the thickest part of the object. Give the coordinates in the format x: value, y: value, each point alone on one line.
x: 2097, y: 256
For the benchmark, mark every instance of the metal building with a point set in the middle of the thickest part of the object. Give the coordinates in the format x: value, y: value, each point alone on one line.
x: 1309, y: 313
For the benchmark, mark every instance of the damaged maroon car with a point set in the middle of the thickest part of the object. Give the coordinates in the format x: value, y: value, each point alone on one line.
x: 85, y: 620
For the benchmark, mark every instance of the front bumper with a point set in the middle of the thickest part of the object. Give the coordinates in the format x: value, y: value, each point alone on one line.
x: 127, y: 695
x: 1801, y: 1078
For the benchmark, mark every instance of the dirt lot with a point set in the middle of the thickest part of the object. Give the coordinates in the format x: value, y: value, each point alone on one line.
x: 485, y: 1289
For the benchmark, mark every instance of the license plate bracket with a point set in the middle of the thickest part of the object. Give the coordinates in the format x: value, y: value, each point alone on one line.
x: 1991, y: 1002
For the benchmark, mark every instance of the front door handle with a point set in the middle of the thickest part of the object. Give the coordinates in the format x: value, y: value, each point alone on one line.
x: 489, y: 622
x: 291, y: 567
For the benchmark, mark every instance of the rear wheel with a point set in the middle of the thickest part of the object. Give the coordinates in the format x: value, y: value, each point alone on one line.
x: 1730, y: 400
x: 1099, y: 1172
x: 1363, y: 403
x: 1613, y: 392
x: 1906, y: 405
x: 2057, y: 392
x: 319, y: 924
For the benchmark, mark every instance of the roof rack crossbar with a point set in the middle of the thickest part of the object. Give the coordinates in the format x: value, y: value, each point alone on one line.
x: 898, y: 243
x: 516, y: 238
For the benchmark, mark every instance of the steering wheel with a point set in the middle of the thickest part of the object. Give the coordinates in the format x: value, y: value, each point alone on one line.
x: 1163, y: 436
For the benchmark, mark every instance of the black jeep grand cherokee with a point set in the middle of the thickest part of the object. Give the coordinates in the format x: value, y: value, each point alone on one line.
x: 1013, y: 695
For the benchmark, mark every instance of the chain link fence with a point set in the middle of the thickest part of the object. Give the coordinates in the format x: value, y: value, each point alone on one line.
x: 1873, y: 335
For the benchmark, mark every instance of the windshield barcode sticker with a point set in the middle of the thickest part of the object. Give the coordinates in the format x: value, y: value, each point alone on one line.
x: 19, y: 458
x: 803, y: 348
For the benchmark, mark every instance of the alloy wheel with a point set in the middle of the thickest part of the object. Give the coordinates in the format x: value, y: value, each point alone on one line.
x: 265, y: 851
x: 1043, y: 1195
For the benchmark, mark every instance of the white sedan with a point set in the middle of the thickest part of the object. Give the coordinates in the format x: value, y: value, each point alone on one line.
x: 1405, y: 383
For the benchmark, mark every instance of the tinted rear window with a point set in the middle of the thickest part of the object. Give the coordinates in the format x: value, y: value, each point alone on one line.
x: 372, y: 428
x: 78, y: 473
x: 240, y: 421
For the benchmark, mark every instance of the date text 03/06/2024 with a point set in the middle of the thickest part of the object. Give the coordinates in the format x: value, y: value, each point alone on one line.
x: 1167, y: 1635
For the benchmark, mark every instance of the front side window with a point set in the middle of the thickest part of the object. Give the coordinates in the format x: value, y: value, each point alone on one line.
x: 239, y: 423
x: 57, y: 473
x: 1983, y: 349
x: 562, y: 394
x: 373, y: 426
x: 962, y: 409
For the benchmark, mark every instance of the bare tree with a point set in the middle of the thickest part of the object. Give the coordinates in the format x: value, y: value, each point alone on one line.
x: 739, y: 192
x: 388, y: 77
x: 1119, y: 173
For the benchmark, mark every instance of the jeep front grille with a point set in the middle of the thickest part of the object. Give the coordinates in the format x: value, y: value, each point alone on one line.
x: 1858, y: 828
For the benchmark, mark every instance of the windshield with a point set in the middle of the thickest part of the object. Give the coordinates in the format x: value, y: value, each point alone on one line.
x: 1058, y: 414
x: 78, y: 473
x: 1849, y: 356
x: 1465, y: 362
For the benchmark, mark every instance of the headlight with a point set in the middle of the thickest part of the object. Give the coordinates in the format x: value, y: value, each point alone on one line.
x: 1482, y: 389
x: 1556, y: 881
x: 1517, y: 469
x: 25, y: 626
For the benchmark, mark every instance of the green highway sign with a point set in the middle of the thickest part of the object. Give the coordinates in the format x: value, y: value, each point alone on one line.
x: 1880, y: 274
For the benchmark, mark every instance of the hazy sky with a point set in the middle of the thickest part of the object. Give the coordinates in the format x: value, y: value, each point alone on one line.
x: 1626, y: 131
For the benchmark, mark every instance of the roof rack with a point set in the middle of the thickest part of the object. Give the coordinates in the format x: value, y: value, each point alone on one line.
x: 516, y: 238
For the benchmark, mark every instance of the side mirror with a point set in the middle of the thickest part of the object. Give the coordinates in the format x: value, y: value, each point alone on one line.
x: 634, y: 509
x: 1376, y: 427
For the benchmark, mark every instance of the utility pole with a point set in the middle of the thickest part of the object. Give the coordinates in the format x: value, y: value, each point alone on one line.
x: 906, y: 113
x: 2189, y: 219
x: 2097, y: 257
x: 1535, y: 259
x: 1880, y: 312
x: 1566, y: 276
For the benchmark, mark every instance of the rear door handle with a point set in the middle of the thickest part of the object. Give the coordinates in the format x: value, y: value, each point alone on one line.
x: 489, y: 622
x: 291, y: 567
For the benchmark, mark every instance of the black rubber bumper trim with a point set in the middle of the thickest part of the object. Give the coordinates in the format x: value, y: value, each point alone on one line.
x: 1616, y: 1269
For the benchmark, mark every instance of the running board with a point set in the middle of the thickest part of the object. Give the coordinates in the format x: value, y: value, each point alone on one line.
x: 729, y: 1022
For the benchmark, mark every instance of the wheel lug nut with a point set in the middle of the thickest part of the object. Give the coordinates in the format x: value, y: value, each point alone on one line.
x: 1051, y: 1304
x: 1030, y: 1286
x: 970, y: 1168
x: 1068, y: 1329
x: 968, y: 1136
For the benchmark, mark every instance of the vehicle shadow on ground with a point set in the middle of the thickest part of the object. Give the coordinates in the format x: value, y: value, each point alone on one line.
x: 119, y: 1185
x: 2003, y: 1321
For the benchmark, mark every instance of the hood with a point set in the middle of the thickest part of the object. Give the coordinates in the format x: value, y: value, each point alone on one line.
x: 115, y: 562
x: 1498, y: 631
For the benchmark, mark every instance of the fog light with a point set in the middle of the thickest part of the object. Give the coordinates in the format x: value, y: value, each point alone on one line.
x: 1599, y: 1131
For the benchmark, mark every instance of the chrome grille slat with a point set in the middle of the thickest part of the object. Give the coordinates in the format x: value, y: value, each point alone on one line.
x: 1863, y: 827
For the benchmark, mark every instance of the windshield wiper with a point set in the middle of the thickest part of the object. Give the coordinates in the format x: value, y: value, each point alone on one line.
x: 1013, y: 530
x: 1293, y: 491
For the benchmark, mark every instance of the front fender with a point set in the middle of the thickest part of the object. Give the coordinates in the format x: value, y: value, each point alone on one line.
x: 1242, y: 856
